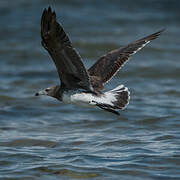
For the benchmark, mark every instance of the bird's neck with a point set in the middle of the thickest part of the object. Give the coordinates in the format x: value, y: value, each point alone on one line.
x: 58, y: 93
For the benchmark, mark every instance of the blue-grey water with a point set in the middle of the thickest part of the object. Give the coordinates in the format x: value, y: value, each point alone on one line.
x: 43, y: 139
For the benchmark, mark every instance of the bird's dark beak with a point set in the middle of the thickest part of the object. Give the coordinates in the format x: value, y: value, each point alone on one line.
x: 37, y: 94
x: 43, y: 92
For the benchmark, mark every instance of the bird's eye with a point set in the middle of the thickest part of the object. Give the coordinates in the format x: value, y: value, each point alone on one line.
x: 46, y: 90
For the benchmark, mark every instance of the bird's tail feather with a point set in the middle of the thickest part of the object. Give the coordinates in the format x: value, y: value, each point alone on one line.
x: 121, y: 95
x: 115, y: 99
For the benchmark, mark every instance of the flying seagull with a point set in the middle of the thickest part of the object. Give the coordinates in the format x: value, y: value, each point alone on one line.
x: 80, y: 86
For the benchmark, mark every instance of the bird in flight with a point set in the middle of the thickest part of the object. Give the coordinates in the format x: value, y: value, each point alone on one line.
x: 78, y: 85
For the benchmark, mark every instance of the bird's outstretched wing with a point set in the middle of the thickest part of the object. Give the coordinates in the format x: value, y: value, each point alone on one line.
x: 71, y: 70
x: 107, y: 66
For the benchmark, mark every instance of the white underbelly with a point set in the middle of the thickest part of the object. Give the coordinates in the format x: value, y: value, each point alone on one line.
x: 78, y: 98
x: 88, y: 99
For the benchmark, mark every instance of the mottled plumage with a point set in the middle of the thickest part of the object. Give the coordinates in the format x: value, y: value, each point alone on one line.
x: 79, y: 86
x: 109, y: 64
x: 71, y: 70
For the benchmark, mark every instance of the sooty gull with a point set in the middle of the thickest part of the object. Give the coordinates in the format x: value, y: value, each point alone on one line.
x: 78, y: 85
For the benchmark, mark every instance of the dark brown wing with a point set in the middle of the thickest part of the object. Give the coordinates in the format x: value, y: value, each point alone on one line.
x: 109, y: 64
x: 69, y: 65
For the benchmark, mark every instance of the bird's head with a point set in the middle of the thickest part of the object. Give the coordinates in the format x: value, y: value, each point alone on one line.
x: 50, y: 91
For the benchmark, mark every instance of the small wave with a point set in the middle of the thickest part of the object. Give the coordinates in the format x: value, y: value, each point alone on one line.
x: 28, y: 142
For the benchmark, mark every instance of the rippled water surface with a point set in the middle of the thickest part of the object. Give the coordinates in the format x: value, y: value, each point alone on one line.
x: 42, y: 139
